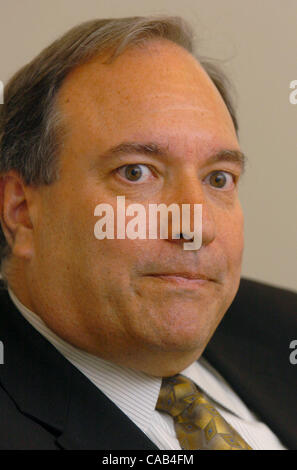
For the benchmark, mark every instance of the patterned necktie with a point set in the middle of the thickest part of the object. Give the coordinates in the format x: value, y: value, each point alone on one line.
x: 198, y: 425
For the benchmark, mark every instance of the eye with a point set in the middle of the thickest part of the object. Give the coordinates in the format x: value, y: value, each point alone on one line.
x: 221, y: 180
x: 135, y: 173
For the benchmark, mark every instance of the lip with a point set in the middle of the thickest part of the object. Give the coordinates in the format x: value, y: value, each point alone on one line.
x: 183, y: 279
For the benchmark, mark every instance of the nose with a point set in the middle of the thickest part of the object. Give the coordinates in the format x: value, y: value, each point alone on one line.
x: 187, y: 192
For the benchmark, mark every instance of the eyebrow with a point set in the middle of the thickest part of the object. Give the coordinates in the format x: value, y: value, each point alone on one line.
x: 151, y: 148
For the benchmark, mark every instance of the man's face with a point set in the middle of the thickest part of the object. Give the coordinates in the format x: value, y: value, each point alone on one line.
x: 108, y: 296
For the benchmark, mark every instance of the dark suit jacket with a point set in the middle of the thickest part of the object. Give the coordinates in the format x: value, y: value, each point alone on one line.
x: 46, y: 403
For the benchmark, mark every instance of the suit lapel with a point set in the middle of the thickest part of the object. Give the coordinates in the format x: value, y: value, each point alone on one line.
x: 50, y: 390
x: 250, y: 350
x: 94, y: 422
x: 33, y: 374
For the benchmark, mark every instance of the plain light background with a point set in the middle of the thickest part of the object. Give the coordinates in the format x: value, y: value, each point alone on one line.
x: 257, y: 43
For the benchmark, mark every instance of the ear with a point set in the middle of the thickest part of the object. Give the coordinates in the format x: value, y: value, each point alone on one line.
x: 15, y: 216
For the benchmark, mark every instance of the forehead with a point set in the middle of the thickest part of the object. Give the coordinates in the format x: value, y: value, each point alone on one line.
x: 158, y: 63
x: 142, y: 77
x: 159, y: 87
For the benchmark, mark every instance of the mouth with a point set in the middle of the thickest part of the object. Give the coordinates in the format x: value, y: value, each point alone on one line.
x: 189, y: 280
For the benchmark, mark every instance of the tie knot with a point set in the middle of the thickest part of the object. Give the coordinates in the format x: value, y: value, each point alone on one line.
x: 177, y: 393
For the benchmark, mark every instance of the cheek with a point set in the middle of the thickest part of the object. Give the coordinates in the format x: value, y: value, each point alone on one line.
x: 232, y: 238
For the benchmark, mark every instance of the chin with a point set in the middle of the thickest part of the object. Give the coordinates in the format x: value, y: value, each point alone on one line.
x: 188, y: 340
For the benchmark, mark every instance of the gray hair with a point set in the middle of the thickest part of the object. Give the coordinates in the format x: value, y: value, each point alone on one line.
x: 31, y: 128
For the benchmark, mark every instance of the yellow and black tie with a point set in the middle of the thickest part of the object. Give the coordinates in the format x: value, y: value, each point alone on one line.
x: 198, y: 425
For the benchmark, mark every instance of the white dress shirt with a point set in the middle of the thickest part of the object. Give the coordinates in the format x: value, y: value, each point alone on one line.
x: 136, y: 393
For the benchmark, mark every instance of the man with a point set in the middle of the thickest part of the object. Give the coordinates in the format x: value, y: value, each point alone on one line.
x: 90, y: 327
